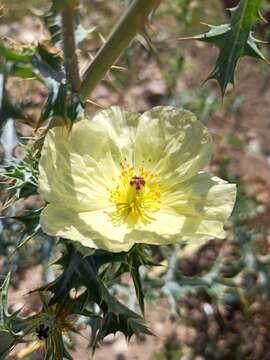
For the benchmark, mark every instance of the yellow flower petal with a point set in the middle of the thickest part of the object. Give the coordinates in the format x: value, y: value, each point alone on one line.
x: 202, y: 196
x: 92, y: 229
x: 126, y: 178
x: 169, y: 141
x: 77, y: 176
x: 172, y: 228
x: 76, y: 167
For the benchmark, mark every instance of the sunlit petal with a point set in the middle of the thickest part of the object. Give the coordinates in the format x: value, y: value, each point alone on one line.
x: 125, y: 178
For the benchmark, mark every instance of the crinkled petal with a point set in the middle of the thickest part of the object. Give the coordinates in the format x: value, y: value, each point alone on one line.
x: 202, y: 196
x: 189, y: 232
x: 172, y: 141
x: 170, y: 228
x: 120, y: 126
x: 192, y: 214
x: 77, y: 167
x: 92, y: 229
x: 66, y: 177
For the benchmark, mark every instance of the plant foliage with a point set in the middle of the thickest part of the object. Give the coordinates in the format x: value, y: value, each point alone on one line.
x: 234, y: 41
x: 94, y: 276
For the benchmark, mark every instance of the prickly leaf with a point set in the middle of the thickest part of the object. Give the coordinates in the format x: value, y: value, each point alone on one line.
x: 234, y: 40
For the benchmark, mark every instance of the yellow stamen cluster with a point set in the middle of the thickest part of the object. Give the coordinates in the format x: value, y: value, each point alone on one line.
x: 136, y: 196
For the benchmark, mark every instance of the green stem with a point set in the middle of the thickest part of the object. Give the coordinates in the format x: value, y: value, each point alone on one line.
x: 71, y: 61
x: 125, y: 30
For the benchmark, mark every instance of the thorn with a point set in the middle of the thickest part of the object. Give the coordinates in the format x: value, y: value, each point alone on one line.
x: 205, y: 24
x: 189, y: 37
x: 101, y: 37
x: 231, y: 10
x: 262, y: 17
x: 35, y: 11
x: 259, y: 41
x: 91, y: 55
x: 108, y: 76
x: 119, y: 68
x: 89, y: 101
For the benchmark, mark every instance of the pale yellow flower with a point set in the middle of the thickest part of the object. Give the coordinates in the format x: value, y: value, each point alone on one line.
x: 126, y: 178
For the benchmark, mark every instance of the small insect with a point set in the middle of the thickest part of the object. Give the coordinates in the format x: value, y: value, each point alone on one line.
x: 138, y: 181
x: 42, y: 332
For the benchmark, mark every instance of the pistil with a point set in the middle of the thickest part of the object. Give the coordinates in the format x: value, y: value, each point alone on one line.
x: 136, y: 197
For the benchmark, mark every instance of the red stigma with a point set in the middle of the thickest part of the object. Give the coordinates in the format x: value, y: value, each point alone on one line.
x: 138, y: 182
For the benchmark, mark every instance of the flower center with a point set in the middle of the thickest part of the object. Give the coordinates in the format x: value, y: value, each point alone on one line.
x: 138, y: 182
x: 136, y: 197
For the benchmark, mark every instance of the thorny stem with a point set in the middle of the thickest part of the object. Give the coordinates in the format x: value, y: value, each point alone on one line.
x: 71, y: 61
x: 123, y: 33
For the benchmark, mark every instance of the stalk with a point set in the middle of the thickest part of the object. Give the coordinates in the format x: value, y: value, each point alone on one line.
x: 71, y: 61
x: 129, y: 25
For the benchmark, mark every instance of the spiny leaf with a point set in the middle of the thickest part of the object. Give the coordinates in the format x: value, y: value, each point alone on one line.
x: 41, y: 63
x: 45, y: 65
x: 8, y: 108
x: 22, y: 178
x: 79, y: 270
x: 4, y: 300
x: 138, y: 287
x: 48, y: 64
x: 53, y: 21
x: 80, y: 306
x: 15, y: 55
x: 134, y: 259
x: 234, y: 40
x: 116, y: 317
x: 21, y: 181
x: 7, y: 342
x: 8, y: 339
x: 31, y: 226
x: 62, y: 104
